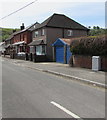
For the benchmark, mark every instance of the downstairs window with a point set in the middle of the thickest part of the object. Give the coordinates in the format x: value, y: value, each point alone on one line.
x: 41, y: 50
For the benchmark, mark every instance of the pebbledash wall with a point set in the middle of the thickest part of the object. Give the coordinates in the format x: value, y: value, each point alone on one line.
x: 86, y: 62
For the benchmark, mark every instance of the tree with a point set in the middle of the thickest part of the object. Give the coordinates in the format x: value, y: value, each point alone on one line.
x: 94, y: 27
x: 97, y: 31
x: 89, y: 27
x: 98, y: 27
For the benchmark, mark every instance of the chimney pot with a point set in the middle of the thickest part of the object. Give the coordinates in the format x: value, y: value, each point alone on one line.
x: 22, y: 27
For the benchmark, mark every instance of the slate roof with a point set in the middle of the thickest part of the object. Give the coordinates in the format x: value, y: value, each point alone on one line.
x: 37, y: 42
x: 61, y: 21
x: 67, y: 41
x: 62, y: 41
x: 30, y: 28
x: 18, y: 43
x: 36, y: 26
x: 1, y: 43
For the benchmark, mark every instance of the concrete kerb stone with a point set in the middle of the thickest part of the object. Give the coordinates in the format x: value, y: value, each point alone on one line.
x: 35, y: 68
x: 78, y: 79
x: 75, y: 78
x: 52, y: 72
x: 71, y: 77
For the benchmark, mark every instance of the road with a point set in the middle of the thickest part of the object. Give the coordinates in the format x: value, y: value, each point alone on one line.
x: 27, y: 93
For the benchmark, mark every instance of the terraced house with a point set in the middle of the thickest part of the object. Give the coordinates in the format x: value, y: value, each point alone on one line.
x: 46, y: 33
x: 22, y: 38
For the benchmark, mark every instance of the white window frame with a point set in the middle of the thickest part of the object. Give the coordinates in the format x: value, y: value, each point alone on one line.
x: 32, y: 49
x: 39, y: 50
x: 70, y: 32
x: 34, y: 26
x: 43, y: 31
x: 36, y: 33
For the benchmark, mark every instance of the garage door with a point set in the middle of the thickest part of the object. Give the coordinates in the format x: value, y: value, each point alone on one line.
x: 60, y: 54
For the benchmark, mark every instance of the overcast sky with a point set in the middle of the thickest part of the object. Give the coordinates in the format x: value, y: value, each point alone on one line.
x: 88, y: 13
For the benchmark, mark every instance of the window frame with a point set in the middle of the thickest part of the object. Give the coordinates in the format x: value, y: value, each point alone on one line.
x: 43, y: 31
x: 36, y: 33
x: 70, y: 32
x: 40, y: 47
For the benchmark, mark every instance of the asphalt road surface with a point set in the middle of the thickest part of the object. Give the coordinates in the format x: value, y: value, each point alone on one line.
x: 27, y: 93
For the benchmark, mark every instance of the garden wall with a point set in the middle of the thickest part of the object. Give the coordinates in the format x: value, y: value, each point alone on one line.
x: 82, y: 61
x: 104, y: 63
x: 86, y: 62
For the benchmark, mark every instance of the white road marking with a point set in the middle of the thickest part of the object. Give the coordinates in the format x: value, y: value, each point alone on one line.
x: 65, y: 110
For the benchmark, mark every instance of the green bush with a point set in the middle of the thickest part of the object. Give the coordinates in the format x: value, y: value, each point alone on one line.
x: 91, y: 45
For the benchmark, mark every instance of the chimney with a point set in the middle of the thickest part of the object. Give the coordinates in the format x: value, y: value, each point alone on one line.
x: 22, y: 27
x: 14, y: 30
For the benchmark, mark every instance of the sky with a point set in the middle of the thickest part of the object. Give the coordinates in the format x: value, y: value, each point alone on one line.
x: 88, y: 13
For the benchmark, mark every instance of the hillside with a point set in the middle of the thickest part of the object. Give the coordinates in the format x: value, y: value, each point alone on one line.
x: 5, y: 33
x: 97, y: 31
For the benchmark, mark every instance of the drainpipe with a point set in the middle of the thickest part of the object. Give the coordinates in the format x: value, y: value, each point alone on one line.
x: 63, y: 33
x: 53, y: 50
x: 65, y: 54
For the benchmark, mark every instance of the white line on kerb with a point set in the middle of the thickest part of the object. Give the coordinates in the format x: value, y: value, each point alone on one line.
x: 65, y: 110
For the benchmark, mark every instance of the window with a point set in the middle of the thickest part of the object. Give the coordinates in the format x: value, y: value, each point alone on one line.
x: 32, y: 49
x: 43, y: 32
x: 36, y: 33
x: 41, y: 50
x: 70, y: 32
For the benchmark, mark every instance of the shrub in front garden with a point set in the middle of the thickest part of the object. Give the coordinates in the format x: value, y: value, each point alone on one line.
x: 91, y: 45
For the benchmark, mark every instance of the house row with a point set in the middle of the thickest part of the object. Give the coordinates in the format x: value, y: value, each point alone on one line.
x: 2, y: 48
x: 46, y: 41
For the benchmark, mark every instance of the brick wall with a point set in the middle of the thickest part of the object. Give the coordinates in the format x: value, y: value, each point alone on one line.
x: 39, y: 58
x: 82, y: 61
x: 104, y: 63
x: 17, y: 38
x: 24, y: 36
x: 86, y: 62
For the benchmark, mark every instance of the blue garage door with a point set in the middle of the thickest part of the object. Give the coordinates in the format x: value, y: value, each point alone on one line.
x: 68, y: 54
x: 60, y: 54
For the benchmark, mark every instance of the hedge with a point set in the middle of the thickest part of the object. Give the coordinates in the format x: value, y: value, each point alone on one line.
x: 91, y: 45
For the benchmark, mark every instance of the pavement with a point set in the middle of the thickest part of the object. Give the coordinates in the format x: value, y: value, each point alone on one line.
x: 95, y: 78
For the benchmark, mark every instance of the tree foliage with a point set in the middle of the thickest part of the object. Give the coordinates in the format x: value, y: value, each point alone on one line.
x: 96, y: 30
x: 5, y: 33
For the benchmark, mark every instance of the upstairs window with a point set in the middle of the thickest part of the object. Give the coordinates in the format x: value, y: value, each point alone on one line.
x: 34, y: 26
x: 43, y: 31
x: 36, y: 33
x: 70, y: 33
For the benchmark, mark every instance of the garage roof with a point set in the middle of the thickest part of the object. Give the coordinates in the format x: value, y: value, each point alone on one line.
x: 61, y: 41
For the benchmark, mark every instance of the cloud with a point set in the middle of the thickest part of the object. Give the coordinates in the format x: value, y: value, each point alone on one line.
x: 92, y: 13
x: 84, y: 12
x: 36, y: 12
